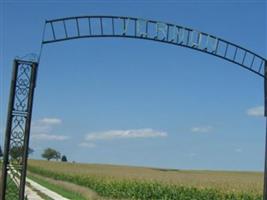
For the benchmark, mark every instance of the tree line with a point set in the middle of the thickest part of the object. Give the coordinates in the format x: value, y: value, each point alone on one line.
x: 48, y: 154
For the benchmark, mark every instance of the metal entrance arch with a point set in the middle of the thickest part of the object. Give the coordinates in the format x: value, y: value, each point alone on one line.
x: 57, y: 30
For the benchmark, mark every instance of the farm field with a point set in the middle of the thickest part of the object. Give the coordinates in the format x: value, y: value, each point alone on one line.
x: 124, y: 182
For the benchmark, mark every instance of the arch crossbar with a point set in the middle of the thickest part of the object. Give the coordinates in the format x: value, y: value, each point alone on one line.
x: 57, y: 30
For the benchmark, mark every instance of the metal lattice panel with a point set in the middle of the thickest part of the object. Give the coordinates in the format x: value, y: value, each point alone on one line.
x: 17, y: 130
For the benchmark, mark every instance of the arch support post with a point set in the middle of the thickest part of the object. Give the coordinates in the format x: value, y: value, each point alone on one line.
x: 18, y: 130
x: 265, y: 114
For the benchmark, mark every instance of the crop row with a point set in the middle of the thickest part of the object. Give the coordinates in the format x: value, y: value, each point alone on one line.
x: 132, y: 189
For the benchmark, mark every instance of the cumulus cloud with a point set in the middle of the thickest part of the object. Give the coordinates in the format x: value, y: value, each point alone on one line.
x: 87, y: 145
x: 256, y: 111
x: 44, y: 136
x: 50, y: 121
x: 42, y: 129
x: 202, y: 129
x: 238, y: 150
x: 192, y: 155
x: 125, y: 134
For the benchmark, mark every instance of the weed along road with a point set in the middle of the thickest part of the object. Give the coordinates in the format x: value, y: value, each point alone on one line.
x: 35, y: 191
x: 44, y: 191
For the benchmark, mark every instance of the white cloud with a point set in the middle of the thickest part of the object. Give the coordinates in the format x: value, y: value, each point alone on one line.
x: 192, y: 155
x: 51, y: 121
x: 44, y: 136
x: 41, y: 129
x: 125, y: 134
x: 238, y: 150
x: 45, y: 124
x: 256, y: 111
x: 202, y: 129
x: 87, y: 145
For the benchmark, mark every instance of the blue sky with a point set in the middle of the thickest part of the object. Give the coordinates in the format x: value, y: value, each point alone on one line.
x: 133, y: 102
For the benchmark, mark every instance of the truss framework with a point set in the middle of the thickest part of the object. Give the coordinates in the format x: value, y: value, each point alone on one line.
x: 118, y: 26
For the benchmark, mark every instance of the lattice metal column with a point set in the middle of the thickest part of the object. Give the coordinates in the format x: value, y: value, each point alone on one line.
x: 265, y: 114
x: 18, y: 130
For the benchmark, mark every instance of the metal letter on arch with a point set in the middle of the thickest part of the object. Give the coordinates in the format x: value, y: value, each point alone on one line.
x: 58, y: 30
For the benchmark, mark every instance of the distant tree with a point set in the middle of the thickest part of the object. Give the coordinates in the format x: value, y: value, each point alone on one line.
x: 50, y: 153
x: 58, y: 156
x: 30, y: 151
x: 1, y: 153
x: 64, y: 158
x: 17, y: 152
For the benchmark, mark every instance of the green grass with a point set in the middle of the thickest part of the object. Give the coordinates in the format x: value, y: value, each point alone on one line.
x: 42, y: 195
x: 57, y: 188
x: 12, y: 192
x: 137, y: 188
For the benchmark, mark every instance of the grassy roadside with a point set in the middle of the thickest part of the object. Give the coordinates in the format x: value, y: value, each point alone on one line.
x: 12, y: 190
x: 57, y: 188
x: 85, y: 192
x: 42, y: 195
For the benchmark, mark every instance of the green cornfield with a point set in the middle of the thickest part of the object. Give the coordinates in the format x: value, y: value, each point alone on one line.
x: 128, y: 185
